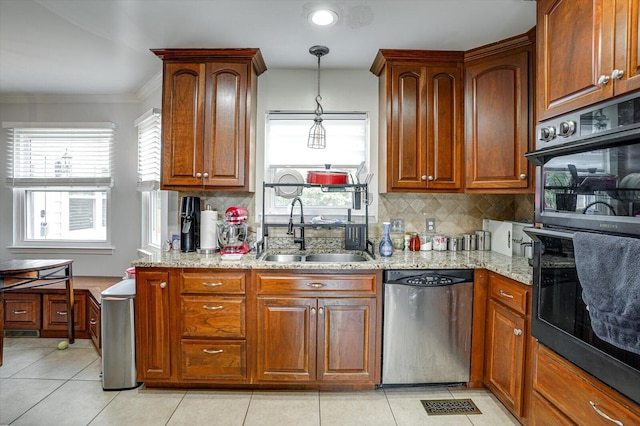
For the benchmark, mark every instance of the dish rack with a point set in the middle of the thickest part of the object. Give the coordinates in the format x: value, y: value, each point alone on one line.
x: 356, y: 235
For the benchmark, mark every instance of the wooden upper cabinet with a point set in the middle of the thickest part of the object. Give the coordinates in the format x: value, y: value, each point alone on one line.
x: 587, y: 52
x: 421, y: 120
x: 498, y: 125
x: 209, y: 109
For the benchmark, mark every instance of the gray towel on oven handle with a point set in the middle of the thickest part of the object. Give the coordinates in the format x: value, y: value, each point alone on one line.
x: 608, y: 268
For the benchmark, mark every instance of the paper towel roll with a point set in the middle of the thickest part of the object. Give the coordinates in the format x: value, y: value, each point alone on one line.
x: 208, y: 230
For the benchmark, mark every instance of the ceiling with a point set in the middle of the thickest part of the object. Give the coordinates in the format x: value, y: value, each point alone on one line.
x: 101, y: 47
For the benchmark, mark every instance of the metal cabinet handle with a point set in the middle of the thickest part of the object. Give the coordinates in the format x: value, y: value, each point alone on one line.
x: 218, y: 284
x: 523, y: 176
x: 19, y: 312
x: 205, y: 175
x: 423, y: 177
x: 602, y: 414
x: 507, y: 295
x: 603, y: 80
x: 431, y: 177
x: 93, y: 321
x: 163, y: 284
x: 198, y: 175
x: 63, y: 313
x: 517, y: 331
x: 321, y: 311
x: 212, y: 351
x: 316, y: 285
x: 211, y: 308
x: 313, y: 311
x: 617, y: 74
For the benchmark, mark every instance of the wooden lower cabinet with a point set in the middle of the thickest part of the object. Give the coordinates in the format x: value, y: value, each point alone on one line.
x: 95, y: 323
x: 54, y: 315
x: 22, y: 311
x: 565, y: 394
x: 219, y: 361
x: 506, y: 337
x: 323, y: 341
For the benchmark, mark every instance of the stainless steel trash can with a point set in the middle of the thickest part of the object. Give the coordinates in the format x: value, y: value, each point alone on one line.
x: 118, y: 336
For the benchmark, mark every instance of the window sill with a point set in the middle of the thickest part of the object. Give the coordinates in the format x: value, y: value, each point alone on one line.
x: 59, y: 249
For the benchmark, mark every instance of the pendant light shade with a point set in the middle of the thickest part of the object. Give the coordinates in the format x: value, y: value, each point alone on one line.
x: 317, y: 134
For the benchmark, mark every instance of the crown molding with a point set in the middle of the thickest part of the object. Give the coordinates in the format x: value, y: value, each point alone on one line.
x: 149, y: 87
x: 68, y: 99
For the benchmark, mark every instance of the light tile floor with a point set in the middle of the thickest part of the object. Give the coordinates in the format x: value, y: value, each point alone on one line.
x: 40, y: 385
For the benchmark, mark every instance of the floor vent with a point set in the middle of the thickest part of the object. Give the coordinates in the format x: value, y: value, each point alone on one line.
x: 437, y: 407
x: 21, y: 333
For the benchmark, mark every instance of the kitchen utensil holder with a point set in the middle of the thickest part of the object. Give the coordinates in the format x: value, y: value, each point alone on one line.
x: 355, y: 237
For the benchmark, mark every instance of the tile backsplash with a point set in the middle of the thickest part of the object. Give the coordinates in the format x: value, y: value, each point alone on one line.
x: 455, y: 214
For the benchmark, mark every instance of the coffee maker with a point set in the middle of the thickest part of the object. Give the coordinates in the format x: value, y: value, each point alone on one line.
x: 190, y: 224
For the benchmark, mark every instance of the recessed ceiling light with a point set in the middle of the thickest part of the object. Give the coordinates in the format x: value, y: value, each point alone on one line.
x: 323, y: 17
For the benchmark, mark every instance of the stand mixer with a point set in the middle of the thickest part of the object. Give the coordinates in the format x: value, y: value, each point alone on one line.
x: 232, y: 232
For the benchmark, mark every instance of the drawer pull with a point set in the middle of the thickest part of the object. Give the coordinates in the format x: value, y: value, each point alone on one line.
x: 507, y: 295
x: 517, y: 331
x: 212, y: 351
x: 602, y: 414
x: 218, y: 284
x: 93, y: 321
x: 211, y: 308
x: 316, y: 285
x: 62, y: 313
x: 19, y: 312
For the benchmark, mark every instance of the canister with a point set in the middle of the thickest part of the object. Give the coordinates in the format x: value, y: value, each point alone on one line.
x: 439, y: 243
x: 425, y: 242
x: 484, y: 240
x: 455, y: 243
x: 469, y: 242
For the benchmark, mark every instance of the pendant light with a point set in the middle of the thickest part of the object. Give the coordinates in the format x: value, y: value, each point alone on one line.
x: 317, y: 135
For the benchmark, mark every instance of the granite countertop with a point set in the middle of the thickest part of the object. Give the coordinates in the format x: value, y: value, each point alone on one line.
x: 516, y: 268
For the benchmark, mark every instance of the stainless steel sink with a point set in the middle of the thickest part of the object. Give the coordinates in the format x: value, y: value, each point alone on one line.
x: 318, y: 257
x: 335, y: 257
x: 284, y: 258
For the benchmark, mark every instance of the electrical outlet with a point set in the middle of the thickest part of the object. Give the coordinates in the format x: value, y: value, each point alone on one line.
x: 430, y: 224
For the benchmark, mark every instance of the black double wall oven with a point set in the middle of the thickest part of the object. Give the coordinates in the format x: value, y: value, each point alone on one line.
x: 588, y: 180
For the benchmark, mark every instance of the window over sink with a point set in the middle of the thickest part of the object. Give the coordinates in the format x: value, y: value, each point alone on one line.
x: 286, y: 148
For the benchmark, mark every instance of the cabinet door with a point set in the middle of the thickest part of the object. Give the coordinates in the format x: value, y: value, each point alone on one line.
x: 55, y: 312
x: 406, y: 148
x: 504, y: 355
x: 444, y: 127
x: 575, y: 47
x: 182, y: 125
x: 153, y: 327
x: 627, y: 45
x: 225, y: 132
x: 94, y: 323
x: 286, y: 339
x: 497, y: 122
x: 346, y: 340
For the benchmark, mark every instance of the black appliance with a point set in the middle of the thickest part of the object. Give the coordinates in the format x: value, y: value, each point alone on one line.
x: 189, y: 224
x: 588, y: 174
x: 588, y: 179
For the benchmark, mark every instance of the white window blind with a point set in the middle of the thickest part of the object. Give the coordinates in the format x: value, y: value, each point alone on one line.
x: 149, y: 127
x: 60, y: 154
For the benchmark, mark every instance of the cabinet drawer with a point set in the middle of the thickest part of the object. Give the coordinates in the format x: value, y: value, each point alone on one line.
x: 204, y: 316
x: 21, y: 311
x: 579, y: 396
x: 217, y: 360
x: 274, y: 284
x: 222, y: 282
x: 508, y: 293
x: 55, y: 312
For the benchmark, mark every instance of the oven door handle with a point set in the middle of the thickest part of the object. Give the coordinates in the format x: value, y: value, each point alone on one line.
x: 534, y: 232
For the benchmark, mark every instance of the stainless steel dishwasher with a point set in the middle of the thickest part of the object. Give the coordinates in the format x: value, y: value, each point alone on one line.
x: 427, y: 326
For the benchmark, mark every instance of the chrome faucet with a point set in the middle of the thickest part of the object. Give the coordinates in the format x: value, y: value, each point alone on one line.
x: 290, y: 231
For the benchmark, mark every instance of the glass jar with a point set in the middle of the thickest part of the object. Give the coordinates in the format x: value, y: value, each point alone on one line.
x: 414, y: 242
x: 386, y: 247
